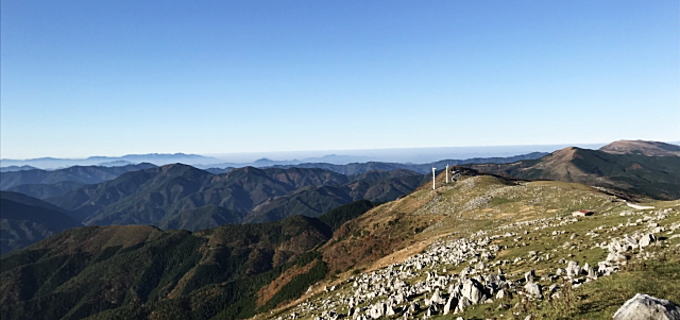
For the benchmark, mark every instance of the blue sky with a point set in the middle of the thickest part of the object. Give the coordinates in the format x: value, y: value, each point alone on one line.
x: 113, y: 77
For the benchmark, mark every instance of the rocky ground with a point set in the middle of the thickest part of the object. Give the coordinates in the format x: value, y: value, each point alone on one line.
x: 546, y: 267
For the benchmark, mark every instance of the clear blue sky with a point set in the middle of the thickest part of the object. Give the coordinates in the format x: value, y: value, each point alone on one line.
x: 113, y: 77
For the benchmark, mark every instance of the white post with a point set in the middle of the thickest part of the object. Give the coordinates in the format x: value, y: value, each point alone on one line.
x: 433, y: 178
x: 447, y: 173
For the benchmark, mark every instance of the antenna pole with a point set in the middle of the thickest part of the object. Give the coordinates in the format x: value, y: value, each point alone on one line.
x: 433, y: 178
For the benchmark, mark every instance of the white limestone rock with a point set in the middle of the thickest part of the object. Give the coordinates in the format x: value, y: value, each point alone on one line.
x: 646, y: 240
x: 533, y: 290
x: 473, y: 291
x: 645, y: 307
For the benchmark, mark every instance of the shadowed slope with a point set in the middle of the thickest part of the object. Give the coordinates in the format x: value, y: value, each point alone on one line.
x: 24, y: 220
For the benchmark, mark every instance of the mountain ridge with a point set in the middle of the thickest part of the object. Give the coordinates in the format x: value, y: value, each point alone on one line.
x: 44, y: 184
x: 643, y: 147
x: 174, y: 273
x: 167, y: 196
x: 631, y: 174
x: 52, y: 163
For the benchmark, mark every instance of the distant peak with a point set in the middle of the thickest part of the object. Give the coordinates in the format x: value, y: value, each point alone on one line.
x: 176, y: 167
x: 568, y: 151
x: 648, y: 148
x: 247, y: 169
x: 173, y: 165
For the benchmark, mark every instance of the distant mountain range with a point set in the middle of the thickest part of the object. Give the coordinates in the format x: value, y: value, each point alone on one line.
x: 211, y: 163
x: 178, y: 196
x: 183, y: 197
x: 45, y: 184
x: 153, y: 158
x: 633, y: 168
x: 359, y: 168
x: 16, y: 168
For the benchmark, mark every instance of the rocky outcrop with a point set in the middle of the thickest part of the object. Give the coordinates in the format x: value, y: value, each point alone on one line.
x: 424, y: 286
x: 645, y: 307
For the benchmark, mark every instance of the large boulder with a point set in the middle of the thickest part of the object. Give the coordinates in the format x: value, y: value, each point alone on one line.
x: 473, y: 291
x: 646, y: 240
x: 378, y: 310
x: 645, y: 307
x: 436, y: 298
x: 533, y: 290
x: 617, y: 258
x: 573, y: 270
x: 450, y: 305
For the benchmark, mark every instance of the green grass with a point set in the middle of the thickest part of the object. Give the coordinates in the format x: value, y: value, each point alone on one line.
x: 601, y: 298
x: 659, y: 276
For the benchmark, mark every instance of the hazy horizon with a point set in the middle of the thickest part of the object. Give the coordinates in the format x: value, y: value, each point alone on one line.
x: 402, y: 155
x: 291, y: 154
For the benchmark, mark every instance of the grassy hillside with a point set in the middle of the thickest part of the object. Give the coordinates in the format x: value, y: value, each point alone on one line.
x: 466, y: 206
x: 508, y: 225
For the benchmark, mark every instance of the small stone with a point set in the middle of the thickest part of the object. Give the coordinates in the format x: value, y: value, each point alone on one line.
x: 616, y: 257
x: 530, y: 276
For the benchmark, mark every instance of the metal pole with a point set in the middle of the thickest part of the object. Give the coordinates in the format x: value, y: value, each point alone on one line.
x: 447, y: 173
x: 433, y: 178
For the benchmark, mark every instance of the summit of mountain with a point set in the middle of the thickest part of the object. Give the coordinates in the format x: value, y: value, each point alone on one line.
x: 647, y: 148
x: 634, y: 175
